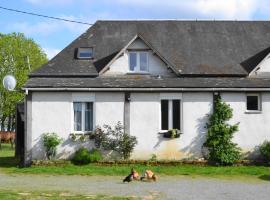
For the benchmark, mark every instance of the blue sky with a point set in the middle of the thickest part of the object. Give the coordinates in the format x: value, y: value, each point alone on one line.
x: 54, y: 35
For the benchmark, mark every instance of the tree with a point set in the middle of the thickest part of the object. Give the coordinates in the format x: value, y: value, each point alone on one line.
x: 18, y: 56
x: 221, y: 149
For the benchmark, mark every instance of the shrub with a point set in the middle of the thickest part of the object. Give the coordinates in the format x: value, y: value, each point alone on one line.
x: 50, y: 142
x: 222, y: 150
x: 115, y: 139
x: 95, y: 155
x: 265, y: 150
x: 81, y: 157
x: 153, y: 158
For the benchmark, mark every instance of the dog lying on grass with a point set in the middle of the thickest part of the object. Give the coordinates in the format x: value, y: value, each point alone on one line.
x: 134, y: 175
x: 149, y: 175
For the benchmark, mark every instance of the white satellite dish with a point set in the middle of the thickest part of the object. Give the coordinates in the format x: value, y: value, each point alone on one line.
x: 9, y: 82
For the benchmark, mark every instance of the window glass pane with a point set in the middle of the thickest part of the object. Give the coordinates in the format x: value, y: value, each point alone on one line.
x: 132, y: 61
x: 176, y: 114
x: 143, y: 61
x: 77, y: 116
x: 85, y: 52
x: 164, y: 114
x: 89, y: 116
x: 252, y: 103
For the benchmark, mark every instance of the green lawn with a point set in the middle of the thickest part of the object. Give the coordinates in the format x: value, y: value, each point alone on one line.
x: 15, y: 195
x: 8, y: 165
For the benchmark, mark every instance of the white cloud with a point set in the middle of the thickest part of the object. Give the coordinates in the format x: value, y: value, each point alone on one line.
x: 51, y: 52
x: 219, y: 9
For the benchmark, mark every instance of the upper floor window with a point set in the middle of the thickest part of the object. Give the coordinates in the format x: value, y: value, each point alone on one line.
x: 253, y: 102
x: 85, y: 53
x: 138, y: 61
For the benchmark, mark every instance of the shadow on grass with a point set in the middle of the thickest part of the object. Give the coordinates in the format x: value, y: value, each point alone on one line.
x: 7, y: 158
x: 265, y: 177
x: 6, y: 162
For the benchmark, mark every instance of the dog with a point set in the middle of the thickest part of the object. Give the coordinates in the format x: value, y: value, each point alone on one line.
x: 134, y: 175
x: 149, y: 175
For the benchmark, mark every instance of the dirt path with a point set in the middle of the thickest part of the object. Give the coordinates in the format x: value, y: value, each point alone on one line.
x: 173, y: 187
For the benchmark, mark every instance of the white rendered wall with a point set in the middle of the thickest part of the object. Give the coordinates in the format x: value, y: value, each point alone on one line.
x: 253, y: 127
x: 145, y: 125
x: 263, y: 68
x: 53, y: 112
x: 155, y: 65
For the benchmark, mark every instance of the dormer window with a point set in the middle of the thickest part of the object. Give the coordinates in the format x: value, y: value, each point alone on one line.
x: 138, y: 61
x: 85, y: 53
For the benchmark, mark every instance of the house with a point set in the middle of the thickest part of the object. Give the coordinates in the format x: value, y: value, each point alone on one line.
x: 153, y: 76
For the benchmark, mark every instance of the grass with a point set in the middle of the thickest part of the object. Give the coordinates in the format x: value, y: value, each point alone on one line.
x: 15, y: 195
x: 8, y: 165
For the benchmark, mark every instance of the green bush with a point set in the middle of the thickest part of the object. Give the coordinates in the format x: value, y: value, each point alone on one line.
x: 50, y: 142
x: 81, y: 157
x: 95, y: 155
x: 84, y: 157
x: 115, y: 139
x: 265, y: 150
x: 222, y: 151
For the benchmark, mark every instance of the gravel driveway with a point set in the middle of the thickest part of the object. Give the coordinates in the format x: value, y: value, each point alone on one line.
x: 168, y: 187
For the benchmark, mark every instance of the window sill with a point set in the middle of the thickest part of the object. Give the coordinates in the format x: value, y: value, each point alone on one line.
x: 138, y: 73
x: 253, y: 112
x: 81, y: 132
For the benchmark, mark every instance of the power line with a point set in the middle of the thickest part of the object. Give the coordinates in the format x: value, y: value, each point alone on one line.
x: 45, y: 16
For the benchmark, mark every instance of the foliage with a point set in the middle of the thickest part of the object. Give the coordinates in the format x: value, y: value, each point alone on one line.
x: 115, y: 139
x: 82, y: 138
x: 95, y: 155
x: 50, y: 142
x: 172, y: 133
x: 73, y: 137
x: 222, y: 150
x: 265, y: 150
x: 84, y: 157
x: 153, y: 158
x: 81, y: 157
x: 18, y: 56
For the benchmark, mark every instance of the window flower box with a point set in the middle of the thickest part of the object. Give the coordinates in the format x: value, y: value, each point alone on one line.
x: 172, y: 133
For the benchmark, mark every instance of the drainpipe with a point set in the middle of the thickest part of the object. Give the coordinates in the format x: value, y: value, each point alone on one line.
x: 127, y: 113
x: 216, y: 96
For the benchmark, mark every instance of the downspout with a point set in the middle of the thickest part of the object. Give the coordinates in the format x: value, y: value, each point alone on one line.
x: 127, y: 113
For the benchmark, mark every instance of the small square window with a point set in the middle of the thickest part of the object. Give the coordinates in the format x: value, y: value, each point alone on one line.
x: 85, y: 53
x: 253, y: 102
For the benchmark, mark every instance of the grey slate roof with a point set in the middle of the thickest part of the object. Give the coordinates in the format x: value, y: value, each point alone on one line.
x: 210, y: 54
x: 149, y: 82
x: 198, y: 48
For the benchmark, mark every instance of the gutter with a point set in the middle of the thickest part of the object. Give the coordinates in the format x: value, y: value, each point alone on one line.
x: 149, y: 89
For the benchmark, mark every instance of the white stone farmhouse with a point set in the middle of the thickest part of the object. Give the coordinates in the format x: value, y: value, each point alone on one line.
x: 153, y: 76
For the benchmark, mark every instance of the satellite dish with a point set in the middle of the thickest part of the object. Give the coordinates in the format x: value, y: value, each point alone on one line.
x: 9, y: 82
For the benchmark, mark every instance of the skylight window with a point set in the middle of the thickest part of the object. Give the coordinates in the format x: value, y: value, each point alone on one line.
x: 85, y: 53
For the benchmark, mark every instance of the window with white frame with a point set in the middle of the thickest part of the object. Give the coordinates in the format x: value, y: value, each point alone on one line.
x: 83, y: 116
x: 170, y: 114
x: 253, y: 102
x: 138, y: 61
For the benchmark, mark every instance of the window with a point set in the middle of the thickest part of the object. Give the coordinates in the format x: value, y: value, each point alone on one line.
x: 138, y: 61
x: 170, y: 114
x: 253, y: 102
x: 83, y: 116
x: 85, y: 53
